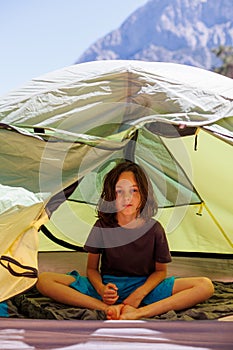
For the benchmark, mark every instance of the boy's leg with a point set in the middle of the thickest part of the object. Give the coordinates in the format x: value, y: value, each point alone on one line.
x: 57, y: 287
x: 187, y: 292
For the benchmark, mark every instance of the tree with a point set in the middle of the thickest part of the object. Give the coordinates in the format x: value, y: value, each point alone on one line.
x: 225, y: 53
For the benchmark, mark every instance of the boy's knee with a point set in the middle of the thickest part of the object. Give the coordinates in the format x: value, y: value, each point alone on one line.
x: 42, y: 281
x: 207, y: 286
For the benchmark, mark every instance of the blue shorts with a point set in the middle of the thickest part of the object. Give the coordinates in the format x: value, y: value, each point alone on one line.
x: 4, y: 309
x: 126, y: 285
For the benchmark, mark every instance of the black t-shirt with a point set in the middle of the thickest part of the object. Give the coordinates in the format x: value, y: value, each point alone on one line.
x: 128, y: 252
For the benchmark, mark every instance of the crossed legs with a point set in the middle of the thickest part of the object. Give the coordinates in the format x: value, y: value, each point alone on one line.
x: 187, y: 292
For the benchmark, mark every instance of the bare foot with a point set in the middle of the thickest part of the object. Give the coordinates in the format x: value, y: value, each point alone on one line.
x: 129, y: 313
x: 113, y: 312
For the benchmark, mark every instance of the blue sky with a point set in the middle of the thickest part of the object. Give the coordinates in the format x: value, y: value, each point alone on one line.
x: 39, y: 36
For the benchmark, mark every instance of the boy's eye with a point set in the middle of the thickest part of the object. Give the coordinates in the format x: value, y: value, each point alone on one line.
x: 118, y: 191
x: 131, y: 191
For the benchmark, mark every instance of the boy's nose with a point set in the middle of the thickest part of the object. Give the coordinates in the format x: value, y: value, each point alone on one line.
x: 127, y: 196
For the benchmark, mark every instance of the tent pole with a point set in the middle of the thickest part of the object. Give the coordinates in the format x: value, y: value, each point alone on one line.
x: 218, y: 225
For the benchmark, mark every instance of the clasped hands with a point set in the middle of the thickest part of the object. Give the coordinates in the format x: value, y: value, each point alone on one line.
x: 110, y: 296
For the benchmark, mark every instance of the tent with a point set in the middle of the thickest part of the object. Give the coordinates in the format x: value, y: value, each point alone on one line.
x: 61, y: 133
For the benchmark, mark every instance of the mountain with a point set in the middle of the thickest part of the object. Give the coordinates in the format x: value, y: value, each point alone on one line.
x: 180, y: 31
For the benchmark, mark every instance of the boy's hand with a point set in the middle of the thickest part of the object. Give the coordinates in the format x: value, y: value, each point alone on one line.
x: 134, y: 299
x: 109, y: 294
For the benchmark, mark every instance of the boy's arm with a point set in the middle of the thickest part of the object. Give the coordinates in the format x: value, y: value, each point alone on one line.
x: 93, y: 272
x: 107, y: 292
x: 135, y: 298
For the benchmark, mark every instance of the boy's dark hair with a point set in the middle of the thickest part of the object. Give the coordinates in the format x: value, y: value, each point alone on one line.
x: 106, y: 209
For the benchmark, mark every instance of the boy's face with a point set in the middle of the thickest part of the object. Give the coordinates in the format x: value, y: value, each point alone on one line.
x: 128, y: 197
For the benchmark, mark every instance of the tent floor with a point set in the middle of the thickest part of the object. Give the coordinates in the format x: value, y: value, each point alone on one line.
x: 217, y: 269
